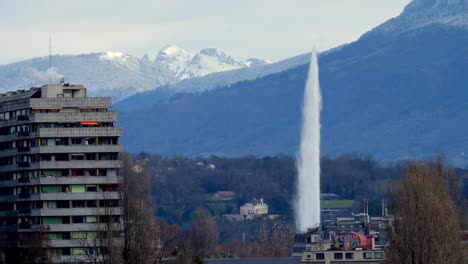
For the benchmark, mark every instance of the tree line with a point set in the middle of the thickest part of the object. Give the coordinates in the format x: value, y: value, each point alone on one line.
x: 181, y: 184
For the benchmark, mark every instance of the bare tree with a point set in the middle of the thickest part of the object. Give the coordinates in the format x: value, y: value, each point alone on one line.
x: 141, y: 242
x: 104, y: 246
x: 275, y: 239
x: 426, y: 227
x: 170, y: 239
x: 203, y: 233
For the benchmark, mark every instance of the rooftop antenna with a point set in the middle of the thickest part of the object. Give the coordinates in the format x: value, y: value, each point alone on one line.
x: 50, y: 59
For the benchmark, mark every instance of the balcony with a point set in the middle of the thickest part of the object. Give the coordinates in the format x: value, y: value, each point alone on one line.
x: 23, y: 149
x: 24, y: 180
x: 8, y: 198
x: 82, y: 211
x: 78, y: 164
x: 80, y: 132
x: 76, y: 149
x: 64, y: 117
x: 24, y: 225
x: 24, y: 195
x: 74, y: 164
x: 76, y: 180
x: 22, y: 118
x: 24, y: 211
x: 72, y: 227
x: 23, y: 134
x: 24, y: 164
x: 79, y: 196
x: 8, y: 213
x: 70, y: 102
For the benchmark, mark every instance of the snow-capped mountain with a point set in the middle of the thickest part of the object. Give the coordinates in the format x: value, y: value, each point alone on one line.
x: 173, y: 58
x: 185, y: 65
x: 213, y: 81
x: 105, y: 74
x: 421, y: 13
x: 117, y: 74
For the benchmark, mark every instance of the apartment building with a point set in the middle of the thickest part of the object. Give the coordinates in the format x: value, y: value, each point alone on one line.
x: 59, y: 172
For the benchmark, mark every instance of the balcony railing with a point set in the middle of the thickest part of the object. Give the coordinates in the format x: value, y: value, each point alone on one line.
x: 23, y: 149
x: 23, y: 134
x: 24, y: 195
x: 22, y: 118
x: 80, y: 132
x: 74, y: 117
x: 24, y: 210
x: 24, y: 179
x: 24, y: 164
x: 24, y: 225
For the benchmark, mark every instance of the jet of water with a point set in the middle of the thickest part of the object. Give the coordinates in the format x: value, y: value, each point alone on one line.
x: 308, y: 164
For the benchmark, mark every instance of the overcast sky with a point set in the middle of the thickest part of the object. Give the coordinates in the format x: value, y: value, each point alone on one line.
x: 270, y: 29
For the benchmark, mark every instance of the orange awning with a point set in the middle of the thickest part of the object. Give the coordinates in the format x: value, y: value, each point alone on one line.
x: 89, y: 123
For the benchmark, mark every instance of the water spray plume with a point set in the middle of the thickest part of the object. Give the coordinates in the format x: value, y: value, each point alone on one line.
x: 308, y: 164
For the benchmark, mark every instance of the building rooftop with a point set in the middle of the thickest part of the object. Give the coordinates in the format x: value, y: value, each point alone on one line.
x: 46, y: 91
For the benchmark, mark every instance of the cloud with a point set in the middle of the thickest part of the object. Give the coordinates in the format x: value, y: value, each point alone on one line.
x: 51, y: 74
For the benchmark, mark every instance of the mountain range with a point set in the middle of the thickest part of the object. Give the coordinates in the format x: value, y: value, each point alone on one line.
x: 120, y: 75
x: 398, y: 92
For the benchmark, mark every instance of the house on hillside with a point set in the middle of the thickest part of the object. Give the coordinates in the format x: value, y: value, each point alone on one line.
x: 224, y: 196
x: 252, y: 210
x: 254, y: 207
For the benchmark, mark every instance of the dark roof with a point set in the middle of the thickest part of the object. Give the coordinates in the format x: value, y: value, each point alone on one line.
x: 16, y: 95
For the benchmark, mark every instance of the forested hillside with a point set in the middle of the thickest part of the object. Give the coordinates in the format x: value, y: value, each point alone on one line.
x: 180, y: 184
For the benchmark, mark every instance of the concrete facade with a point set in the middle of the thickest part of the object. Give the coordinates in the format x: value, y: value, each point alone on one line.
x: 59, y: 170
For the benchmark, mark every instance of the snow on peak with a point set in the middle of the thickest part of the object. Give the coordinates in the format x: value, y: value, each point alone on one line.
x: 186, y: 65
x: 256, y: 62
x: 421, y: 13
x: 218, y: 55
x: 113, y: 56
x: 173, y: 51
x: 173, y: 58
x: 123, y: 60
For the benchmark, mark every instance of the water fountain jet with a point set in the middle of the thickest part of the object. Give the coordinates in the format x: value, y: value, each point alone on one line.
x: 308, y: 163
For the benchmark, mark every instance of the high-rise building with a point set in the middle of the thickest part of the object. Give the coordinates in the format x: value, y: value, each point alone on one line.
x: 59, y: 173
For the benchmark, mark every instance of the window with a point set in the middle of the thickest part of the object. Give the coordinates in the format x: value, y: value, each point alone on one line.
x: 378, y: 255
x: 78, y: 251
x: 319, y: 256
x: 77, y: 235
x: 367, y: 255
x: 78, y: 204
x: 349, y: 255
x: 77, y: 219
x: 91, y: 219
x: 91, y: 188
x: 338, y: 255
